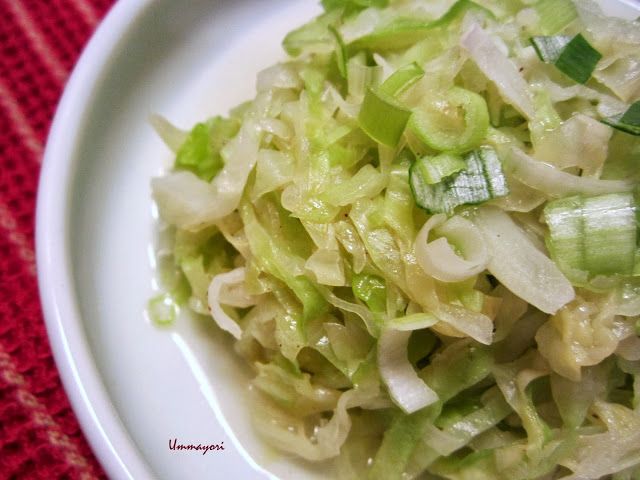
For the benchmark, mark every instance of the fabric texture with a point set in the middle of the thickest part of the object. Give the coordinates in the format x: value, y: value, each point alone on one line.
x: 40, y: 41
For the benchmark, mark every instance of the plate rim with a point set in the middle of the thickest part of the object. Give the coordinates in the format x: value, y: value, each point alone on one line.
x: 108, y: 437
x: 99, y: 420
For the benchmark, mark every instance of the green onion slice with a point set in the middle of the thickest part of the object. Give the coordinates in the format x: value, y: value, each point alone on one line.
x: 383, y: 118
x: 628, y: 122
x: 549, y: 49
x: 555, y: 15
x: 481, y: 180
x: 596, y: 235
x: 435, y: 169
x: 403, y: 79
x: 575, y: 57
x: 455, y: 122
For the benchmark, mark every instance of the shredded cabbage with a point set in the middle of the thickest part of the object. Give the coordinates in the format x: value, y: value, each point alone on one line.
x: 400, y: 344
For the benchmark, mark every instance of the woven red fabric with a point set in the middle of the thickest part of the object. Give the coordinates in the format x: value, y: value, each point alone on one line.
x: 40, y: 41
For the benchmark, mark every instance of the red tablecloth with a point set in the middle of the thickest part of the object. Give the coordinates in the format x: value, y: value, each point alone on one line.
x: 40, y: 41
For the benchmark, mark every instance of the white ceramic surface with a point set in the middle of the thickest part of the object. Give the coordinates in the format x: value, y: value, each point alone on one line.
x: 133, y: 386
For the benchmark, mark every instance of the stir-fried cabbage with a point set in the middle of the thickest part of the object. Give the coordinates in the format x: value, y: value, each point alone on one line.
x: 421, y: 235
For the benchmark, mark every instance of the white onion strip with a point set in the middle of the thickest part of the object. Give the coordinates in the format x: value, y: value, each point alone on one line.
x: 224, y: 321
x: 499, y: 69
x: 519, y: 265
x: 439, y: 260
x: 556, y: 183
x: 407, y: 390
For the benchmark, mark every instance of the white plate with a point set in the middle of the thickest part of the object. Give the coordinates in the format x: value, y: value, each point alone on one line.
x: 135, y: 387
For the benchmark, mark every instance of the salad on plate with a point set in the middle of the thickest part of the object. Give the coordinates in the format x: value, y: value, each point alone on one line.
x: 422, y: 236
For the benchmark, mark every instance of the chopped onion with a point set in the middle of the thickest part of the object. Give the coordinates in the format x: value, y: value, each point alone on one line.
x: 519, y: 265
x: 408, y: 390
x: 440, y: 261
x: 224, y: 321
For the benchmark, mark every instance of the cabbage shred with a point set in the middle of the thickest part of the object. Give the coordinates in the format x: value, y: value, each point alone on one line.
x: 496, y: 340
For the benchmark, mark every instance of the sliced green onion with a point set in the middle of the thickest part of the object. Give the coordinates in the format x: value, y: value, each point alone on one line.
x: 597, y: 235
x: 566, y: 239
x: 575, y: 58
x: 456, y: 122
x: 341, y: 52
x: 549, y: 49
x: 481, y: 180
x: 402, y: 79
x: 628, y: 122
x: 383, y: 118
x: 372, y: 290
x: 435, y: 169
x: 360, y: 76
x: 555, y: 15
x: 610, y: 234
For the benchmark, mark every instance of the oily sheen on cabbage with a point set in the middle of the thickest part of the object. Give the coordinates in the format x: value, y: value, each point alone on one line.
x: 421, y: 235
